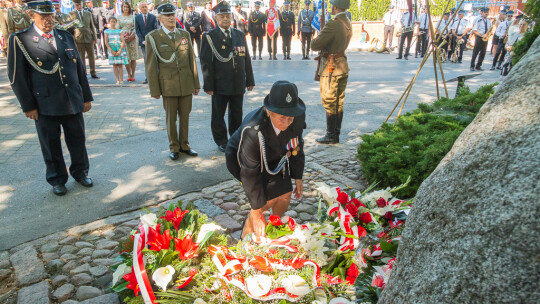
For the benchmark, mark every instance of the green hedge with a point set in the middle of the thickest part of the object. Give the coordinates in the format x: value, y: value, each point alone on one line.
x: 416, y: 144
x: 373, y: 10
x: 520, y: 49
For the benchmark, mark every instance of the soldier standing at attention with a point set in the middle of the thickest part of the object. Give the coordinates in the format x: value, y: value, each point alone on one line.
x: 17, y: 19
x: 479, y: 30
x: 240, y: 18
x: 85, y: 36
x: 226, y: 68
x: 48, y: 78
x: 257, y: 29
x: 287, y: 29
x: 192, y: 22
x: 333, y: 40
x: 305, y: 18
x: 60, y: 18
x: 170, y: 53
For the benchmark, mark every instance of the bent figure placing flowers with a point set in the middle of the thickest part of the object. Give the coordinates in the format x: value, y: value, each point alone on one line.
x: 266, y: 152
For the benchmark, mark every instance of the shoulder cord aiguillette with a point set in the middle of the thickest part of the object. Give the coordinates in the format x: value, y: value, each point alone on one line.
x: 216, y: 54
x: 32, y: 63
x: 264, y: 163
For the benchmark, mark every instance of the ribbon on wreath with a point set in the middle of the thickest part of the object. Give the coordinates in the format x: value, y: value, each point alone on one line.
x: 139, y: 242
x: 344, y: 218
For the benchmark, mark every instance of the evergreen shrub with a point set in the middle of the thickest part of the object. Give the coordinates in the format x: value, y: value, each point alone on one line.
x: 419, y: 140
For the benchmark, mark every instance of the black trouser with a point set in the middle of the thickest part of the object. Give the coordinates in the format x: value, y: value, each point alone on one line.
x: 272, y: 44
x: 461, y: 46
x: 49, y: 132
x: 493, y: 42
x: 254, y: 40
x: 196, y: 39
x: 501, y: 52
x: 480, y: 47
x: 286, y: 45
x: 219, y: 106
x: 421, y: 43
x: 408, y: 36
x: 306, y: 43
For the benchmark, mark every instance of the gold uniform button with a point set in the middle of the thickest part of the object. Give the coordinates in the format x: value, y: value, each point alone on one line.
x: 74, y: 60
x: 66, y: 84
x: 39, y: 63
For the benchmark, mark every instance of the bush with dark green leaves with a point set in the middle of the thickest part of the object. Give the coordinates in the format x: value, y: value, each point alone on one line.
x: 419, y: 140
x: 522, y: 47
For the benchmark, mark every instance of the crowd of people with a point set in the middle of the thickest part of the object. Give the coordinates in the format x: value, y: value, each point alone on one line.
x: 453, y: 35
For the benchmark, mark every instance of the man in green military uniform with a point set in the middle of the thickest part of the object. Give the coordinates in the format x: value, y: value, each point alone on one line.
x: 61, y: 18
x: 85, y: 35
x: 16, y: 19
x: 171, y: 71
x: 334, y: 70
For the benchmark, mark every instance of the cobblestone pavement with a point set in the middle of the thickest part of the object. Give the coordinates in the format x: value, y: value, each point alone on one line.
x: 73, y: 266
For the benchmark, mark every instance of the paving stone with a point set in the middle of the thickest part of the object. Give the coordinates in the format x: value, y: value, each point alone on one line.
x: 110, y: 298
x: 5, y: 264
x: 85, y: 252
x: 231, y: 212
x: 101, y: 253
x: 220, y: 194
x: 241, y: 202
x: 50, y: 247
x: 55, y: 265
x: 104, y: 281
x: 69, y: 240
x: 82, y: 244
x: 244, y: 212
x: 292, y: 213
x: 208, y: 196
x: 217, y: 202
x: 308, y: 208
x: 305, y: 216
x: 63, y: 292
x: 59, y: 280
x: 236, y: 235
x: 80, y: 269
x: 72, y: 302
x: 238, y: 217
x: 34, y: 294
x: 245, y: 207
x: 98, y: 271
x: 4, y: 255
x: 81, y: 279
x: 131, y: 223
x: 28, y: 268
x: 87, y: 292
x: 68, y: 257
x: 86, y: 259
x: 229, y: 206
x: 106, y: 244
x: 67, y: 249
x: 70, y: 265
x: 230, y: 198
x: 90, y: 237
x: 224, y: 220
x: 4, y: 274
x: 104, y: 262
x: 206, y: 207
x: 47, y: 257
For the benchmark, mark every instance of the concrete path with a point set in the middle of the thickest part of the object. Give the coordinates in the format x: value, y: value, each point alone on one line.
x: 128, y: 147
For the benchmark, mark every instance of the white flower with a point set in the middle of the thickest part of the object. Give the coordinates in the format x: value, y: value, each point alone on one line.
x: 327, y: 229
x: 122, y: 270
x: 162, y: 276
x: 296, y: 285
x: 258, y: 285
x: 301, y: 234
x: 340, y: 301
x: 149, y: 219
x: 207, y: 228
x: 199, y: 301
x: 329, y: 194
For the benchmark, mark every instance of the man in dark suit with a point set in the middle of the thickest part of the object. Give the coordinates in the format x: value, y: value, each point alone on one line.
x: 227, y: 72
x: 144, y: 24
x: 287, y: 29
x: 192, y: 22
x: 208, y: 18
x: 100, y: 49
x: 240, y: 18
x: 49, y: 79
x: 266, y: 169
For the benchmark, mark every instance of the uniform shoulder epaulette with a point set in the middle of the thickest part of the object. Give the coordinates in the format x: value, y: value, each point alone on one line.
x: 22, y: 31
x: 154, y: 31
x: 236, y: 30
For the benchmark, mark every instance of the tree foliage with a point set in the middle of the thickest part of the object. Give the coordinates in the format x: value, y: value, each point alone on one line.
x: 416, y: 144
x: 521, y: 47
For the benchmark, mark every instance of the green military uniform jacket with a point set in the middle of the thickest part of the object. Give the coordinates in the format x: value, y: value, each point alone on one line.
x: 334, y: 38
x: 62, y: 19
x: 171, y: 69
x: 86, y: 32
x: 17, y: 19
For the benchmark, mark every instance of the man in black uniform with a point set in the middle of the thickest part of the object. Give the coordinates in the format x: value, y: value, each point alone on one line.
x: 266, y: 173
x: 227, y: 71
x: 257, y: 29
x: 287, y: 29
x: 49, y: 79
x: 208, y: 21
x: 240, y: 18
x: 305, y: 19
x: 480, y: 29
x: 192, y: 22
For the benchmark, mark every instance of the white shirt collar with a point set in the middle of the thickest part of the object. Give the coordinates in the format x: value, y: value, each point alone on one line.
x: 166, y: 30
x: 40, y: 32
x: 275, y: 129
x: 223, y: 31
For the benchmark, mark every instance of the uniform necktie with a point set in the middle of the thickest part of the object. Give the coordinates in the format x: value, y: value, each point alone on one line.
x: 227, y: 34
x: 457, y: 28
x: 48, y: 37
x: 171, y: 34
x: 144, y: 20
x: 425, y: 21
x: 485, y: 26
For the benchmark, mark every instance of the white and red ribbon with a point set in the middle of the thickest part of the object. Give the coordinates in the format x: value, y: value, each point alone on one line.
x: 139, y: 242
x: 344, y: 218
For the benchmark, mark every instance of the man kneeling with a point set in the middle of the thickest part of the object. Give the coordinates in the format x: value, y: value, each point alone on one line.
x: 266, y: 152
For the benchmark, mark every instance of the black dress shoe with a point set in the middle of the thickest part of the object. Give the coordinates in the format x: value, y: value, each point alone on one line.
x: 95, y: 76
x: 190, y: 152
x: 492, y: 68
x: 174, y: 155
x: 499, y: 67
x: 222, y: 148
x: 85, y: 181
x: 288, y: 58
x: 406, y: 58
x: 260, y: 57
x: 479, y: 69
x: 472, y: 69
x: 145, y: 81
x: 398, y: 57
x: 274, y: 58
x: 254, y: 58
x: 59, y: 190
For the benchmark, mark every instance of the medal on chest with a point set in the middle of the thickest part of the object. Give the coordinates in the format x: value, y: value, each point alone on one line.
x: 292, y: 147
x: 240, y: 50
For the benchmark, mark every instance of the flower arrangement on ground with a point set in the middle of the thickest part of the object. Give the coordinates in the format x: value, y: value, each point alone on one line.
x: 178, y: 256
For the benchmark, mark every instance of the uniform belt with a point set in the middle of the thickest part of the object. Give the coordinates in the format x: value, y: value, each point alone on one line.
x: 336, y: 55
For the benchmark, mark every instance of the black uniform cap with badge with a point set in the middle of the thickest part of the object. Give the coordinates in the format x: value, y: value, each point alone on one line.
x: 166, y: 9
x: 283, y: 99
x: 222, y: 8
x: 41, y: 7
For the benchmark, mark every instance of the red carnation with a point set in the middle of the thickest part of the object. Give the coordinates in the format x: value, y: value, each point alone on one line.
x: 381, y: 202
x: 388, y: 216
x: 175, y: 217
x: 343, y: 197
x: 357, y: 203
x: 366, y: 218
x: 352, y: 273
x: 275, y: 220
x: 352, y: 209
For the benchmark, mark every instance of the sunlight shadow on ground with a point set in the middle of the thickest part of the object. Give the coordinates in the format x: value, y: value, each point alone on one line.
x: 144, y: 179
x: 6, y: 193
